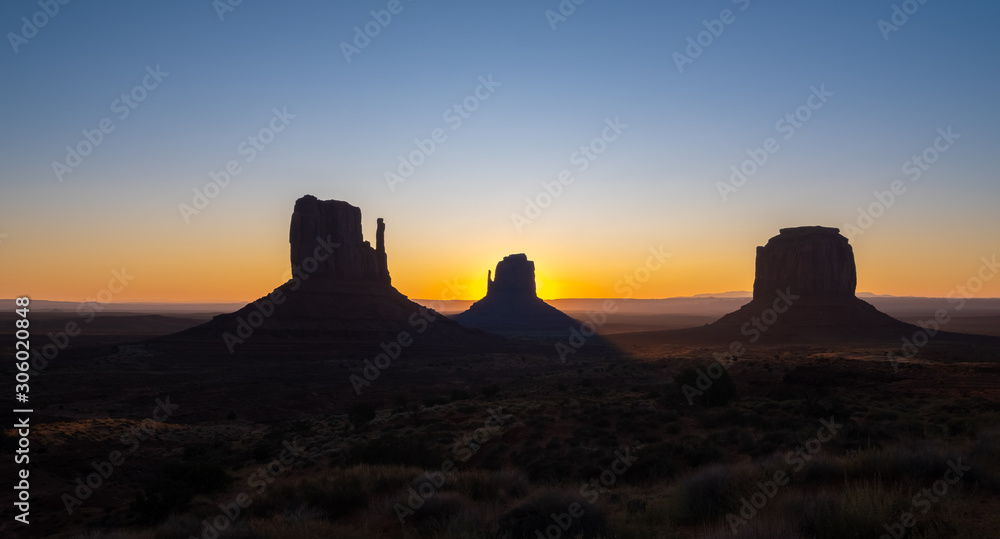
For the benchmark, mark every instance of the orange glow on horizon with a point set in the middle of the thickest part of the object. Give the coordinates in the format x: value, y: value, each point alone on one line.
x: 226, y: 282
x: 240, y: 262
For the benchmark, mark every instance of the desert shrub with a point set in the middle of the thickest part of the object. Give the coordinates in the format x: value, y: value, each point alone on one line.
x: 361, y: 413
x: 783, y: 437
x: 177, y: 484
x: 745, y: 441
x: 718, y: 392
x: 587, y: 471
x: 731, y: 436
x: 600, y: 422
x: 882, y: 415
x: 157, y: 500
x: 723, y: 417
x: 535, y: 516
x: 199, y: 477
x: 381, y: 478
x: 918, y: 464
x: 401, y: 401
x: 554, y: 444
x: 439, y: 513
x: 105, y: 535
x: 671, y: 395
x: 175, y: 529
x: 194, y: 451
x: 262, y: 451
x: 708, y: 494
x: 435, y: 401
x: 459, y: 395
x: 655, y: 513
x: 491, y: 456
x: 645, y: 519
x: 630, y: 425
x: 178, y: 527
x: 548, y: 466
x: 468, y: 409
x: 398, y: 450
x: 914, y: 463
x: 654, y: 462
x: 241, y: 530
x: 986, y: 448
x: 822, y: 470
x: 280, y: 528
x: 961, y: 426
x: 859, y: 511
x: 481, y: 485
x: 336, y: 497
x: 759, y: 527
x: 491, y: 391
x: 702, y: 453
x: 936, y: 527
x: 856, y: 436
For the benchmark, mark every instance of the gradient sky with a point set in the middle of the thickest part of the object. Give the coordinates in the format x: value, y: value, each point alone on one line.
x: 655, y: 186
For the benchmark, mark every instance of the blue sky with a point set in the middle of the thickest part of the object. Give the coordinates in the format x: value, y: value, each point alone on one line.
x: 656, y: 184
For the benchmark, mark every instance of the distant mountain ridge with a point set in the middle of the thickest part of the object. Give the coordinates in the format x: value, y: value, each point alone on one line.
x: 701, y: 304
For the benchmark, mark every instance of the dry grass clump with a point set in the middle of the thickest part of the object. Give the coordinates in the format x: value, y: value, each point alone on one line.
x: 709, y: 493
x: 337, y: 494
x: 574, y: 516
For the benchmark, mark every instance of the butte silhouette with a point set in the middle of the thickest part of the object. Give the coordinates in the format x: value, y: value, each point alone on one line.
x: 804, y: 290
x: 512, y: 307
x: 340, y: 292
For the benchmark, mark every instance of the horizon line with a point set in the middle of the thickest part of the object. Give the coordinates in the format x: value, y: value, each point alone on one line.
x: 721, y: 295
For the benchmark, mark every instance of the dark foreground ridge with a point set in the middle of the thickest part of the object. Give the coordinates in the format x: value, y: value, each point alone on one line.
x: 340, y: 292
x: 512, y: 306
